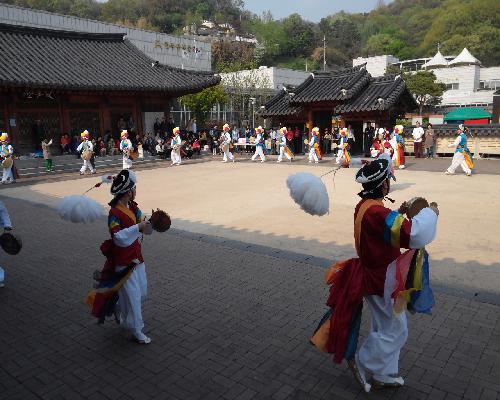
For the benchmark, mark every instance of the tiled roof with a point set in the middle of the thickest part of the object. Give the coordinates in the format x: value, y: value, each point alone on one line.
x: 367, y: 94
x: 54, y: 59
x: 332, y: 86
x: 280, y: 105
x: 381, y: 94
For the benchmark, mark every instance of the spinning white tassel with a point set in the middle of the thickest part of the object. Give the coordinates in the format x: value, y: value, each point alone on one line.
x: 309, y: 192
x: 79, y: 208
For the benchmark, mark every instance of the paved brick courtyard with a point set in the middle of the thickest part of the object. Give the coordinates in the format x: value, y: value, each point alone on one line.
x: 226, y: 323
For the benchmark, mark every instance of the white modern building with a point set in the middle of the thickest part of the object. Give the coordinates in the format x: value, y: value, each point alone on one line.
x: 265, y: 78
x: 175, y: 51
x: 250, y: 89
x: 468, y: 83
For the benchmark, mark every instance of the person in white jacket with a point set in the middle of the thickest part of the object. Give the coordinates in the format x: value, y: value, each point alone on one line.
x: 126, y: 148
x: 461, y: 153
x: 86, y: 145
x: 313, y: 143
x: 176, y: 144
x: 226, y: 143
x: 6, y: 151
x: 283, y: 147
x: 259, y: 145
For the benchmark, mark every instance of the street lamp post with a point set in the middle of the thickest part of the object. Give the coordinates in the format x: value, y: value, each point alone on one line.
x: 252, y: 100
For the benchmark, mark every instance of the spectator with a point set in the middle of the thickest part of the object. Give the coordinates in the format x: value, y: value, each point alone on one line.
x: 197, y: 146
x: 160, y: 149
x: 351, y: 138
x: 167, y: 127
x: 418, y: 133
x: 74, y: 144
x: 327, y: 141
x: 368, y: 136
x: 273, y: 135
x: 194, y: 126
x: 429, y: 142
x: 102, y: 148
x: 112, y: 150
x: 65, y: 143
x: 290, y: 135
x: 297, y: 139
x: 157, y: 126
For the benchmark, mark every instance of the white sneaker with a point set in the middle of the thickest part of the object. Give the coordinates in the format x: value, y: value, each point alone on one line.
x: 278, y: 161
x: 469, y: 174
x: 141, y: 338
x: 385, y: 381
x: 316, y: 162
x: 310, y: 161
x: 359, y: 374
x: 448, y: 173
x: 401, y: 167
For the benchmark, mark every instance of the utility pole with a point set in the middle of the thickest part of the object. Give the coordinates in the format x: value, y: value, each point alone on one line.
x: 324, y: 53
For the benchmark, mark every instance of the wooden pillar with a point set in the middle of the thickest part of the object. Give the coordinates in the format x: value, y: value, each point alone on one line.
x: 104, y: 115
x: 309, y: 123
x: 137, y: 114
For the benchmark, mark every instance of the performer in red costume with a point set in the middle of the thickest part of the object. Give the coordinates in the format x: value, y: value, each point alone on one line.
x: 123, y: 278
x: 387, y: 280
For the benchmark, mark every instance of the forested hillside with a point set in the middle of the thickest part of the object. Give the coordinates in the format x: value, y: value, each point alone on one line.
x: 404, y: 28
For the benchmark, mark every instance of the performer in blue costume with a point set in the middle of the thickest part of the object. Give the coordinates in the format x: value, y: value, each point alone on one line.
x: 462, y: 156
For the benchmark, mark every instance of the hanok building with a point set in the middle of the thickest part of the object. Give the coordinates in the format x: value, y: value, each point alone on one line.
x: 351, y: 95
x: 54, y: 82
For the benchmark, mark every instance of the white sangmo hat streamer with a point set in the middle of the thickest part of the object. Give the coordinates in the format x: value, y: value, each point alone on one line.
x: 309, y: 192
x: 79, y: 209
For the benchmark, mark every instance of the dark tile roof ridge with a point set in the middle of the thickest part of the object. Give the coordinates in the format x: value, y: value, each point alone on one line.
x: 59, y: 33
x: 276, y: 98
x: 304, y: 84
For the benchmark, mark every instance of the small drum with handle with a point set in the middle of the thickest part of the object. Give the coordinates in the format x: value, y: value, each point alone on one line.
x: 87, y: 154
x: 7, y: 162
x: 415, y: 205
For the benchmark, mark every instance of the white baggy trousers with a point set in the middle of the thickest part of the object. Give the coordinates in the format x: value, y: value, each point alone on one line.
x: 312, y: 154
x: 227, y: 155
x: 259, y: 152
x: 282, y: 151
x: 458, y: 160
x: 379, y: 354
x: 7, y: 175
x: 127, y: 162
x: 135, y: 288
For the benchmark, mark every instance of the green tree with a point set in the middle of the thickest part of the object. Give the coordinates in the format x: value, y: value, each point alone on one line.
x: 202, y: 102
x: 299, y: 36
x: 424, y: 88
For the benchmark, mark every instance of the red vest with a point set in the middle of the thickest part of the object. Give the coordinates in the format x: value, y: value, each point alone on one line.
x: 120, y: 218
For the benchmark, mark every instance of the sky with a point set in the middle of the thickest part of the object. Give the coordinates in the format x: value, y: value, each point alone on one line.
x: 312, y: 10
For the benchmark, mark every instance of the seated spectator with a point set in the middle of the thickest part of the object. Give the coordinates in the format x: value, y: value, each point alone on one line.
x: 102, y: 148
x: 65, y: 142
x: 160, y: 149
x: 112, y: 149
x: 196, y: 146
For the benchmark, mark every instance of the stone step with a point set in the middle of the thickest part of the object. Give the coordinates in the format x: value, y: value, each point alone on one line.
x: 64, y: 164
